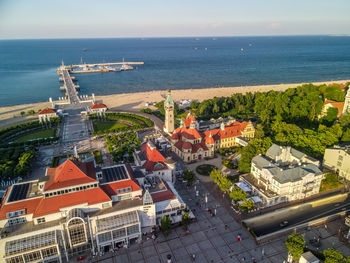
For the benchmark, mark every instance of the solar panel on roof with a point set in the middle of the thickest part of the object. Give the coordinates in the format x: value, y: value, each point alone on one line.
x: 19, y: 192
x: 115, y: 174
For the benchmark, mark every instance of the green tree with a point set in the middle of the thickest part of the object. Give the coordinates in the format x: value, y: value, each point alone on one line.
x: 247, y: 205
x: 186, y: 219
x: 31, y: 112
x: 22, y: 113
x: 332, y: 256
x: 295, y: 245
x: 215, y: 175
x: 332, y: 114
x: 189, y: 176
x: 224, y: 184
x: 237, y: 194
x: 165, y: 224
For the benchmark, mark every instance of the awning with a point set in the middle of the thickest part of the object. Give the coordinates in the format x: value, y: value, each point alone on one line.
x: 243, y: 186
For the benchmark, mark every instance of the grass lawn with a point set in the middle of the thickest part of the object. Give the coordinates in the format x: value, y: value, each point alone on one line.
x: 37, y: 135
x: 205, y: 169
x: 107, y: 125
x: 330, y: 182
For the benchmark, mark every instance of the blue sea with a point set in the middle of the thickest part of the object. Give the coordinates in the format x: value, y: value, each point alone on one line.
x: 28, y: 67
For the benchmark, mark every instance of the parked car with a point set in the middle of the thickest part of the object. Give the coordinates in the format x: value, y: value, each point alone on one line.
x: 284, y: 223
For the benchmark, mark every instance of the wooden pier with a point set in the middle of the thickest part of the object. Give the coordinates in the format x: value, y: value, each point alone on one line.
x: 64, y: 72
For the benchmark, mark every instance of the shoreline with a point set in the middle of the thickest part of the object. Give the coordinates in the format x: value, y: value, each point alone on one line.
x: 137, y: 100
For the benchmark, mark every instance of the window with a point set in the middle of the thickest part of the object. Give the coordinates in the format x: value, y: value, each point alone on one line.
x: 16, y: 221
x: 18, y: 259
x: 106, y: 205
x: 339, y: 163
x: 76, y: 229
x: 41, y: 220
x: 119, y: 233
x: 133, y: 229
x: 104, y: 237
x: 340, y: 158
x: 34, y: 256
x: 15, y: 213
x: 48, y: 252
x: 120, y: 191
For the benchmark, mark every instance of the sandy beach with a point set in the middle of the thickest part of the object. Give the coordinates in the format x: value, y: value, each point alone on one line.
x: 134, y: 101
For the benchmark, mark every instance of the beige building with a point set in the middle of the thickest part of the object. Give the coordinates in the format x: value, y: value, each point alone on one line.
x: 283, y: 174
x: 169, y: 114
x: 337, y: 158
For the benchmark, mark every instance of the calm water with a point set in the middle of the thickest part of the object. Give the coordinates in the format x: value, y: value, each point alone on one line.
x: 28, y: 67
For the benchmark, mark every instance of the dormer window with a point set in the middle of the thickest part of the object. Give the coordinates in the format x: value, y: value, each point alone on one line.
x: 158, y: 166
x: 124, y: 190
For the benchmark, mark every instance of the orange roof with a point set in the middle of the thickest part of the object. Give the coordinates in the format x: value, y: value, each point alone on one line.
x: 98, y: 106
x: 209, y: 139
x: 190, y: 119
x: 163, y: 195
x: 191, y: 134
x: 47, y: 111
x: 68, y: 174
x: 54, y: 204
x: 336, y: 104
x: 112, y: 188
x: 152, y: 154
x: 29, y: 205
x: 153, y: 157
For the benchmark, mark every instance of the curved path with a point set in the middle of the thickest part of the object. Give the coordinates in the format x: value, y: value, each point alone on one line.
x: 157, y: 122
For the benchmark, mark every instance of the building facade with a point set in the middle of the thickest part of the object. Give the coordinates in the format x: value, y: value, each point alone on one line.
x: 190, y: 144
x: 75, y: 207
x: 45, y: 115
x: 337, y: 159
x: 152, y: 163
x: 284, y: 174
x: 169, y: 114
x: 98, y: 108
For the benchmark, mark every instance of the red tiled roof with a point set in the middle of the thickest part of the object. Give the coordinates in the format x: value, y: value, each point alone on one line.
x: 190, y: 118
x: 337, y: 105
x: 54, y: 204
x: 163, y: 195
x: 154, y: 157
x: 69, y: 174
x: 197, y: 146
x: 112, y: 188
x: 98, y: 106
x: 28, y: 205
x: 47, y: 111
x: 186, y: 145
x: 209, y: 139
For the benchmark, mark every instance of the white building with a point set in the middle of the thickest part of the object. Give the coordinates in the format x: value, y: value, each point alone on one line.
x: 337, y: 158
x: 73, y: 208
x: 152, y: 163
x: 98, y: 108
x: 284, y: 174
x: 46, y: 114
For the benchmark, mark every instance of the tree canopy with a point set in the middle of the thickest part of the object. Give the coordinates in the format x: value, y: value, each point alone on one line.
x: 295, y: 245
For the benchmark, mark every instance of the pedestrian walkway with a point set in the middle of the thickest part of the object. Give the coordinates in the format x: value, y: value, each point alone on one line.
x: 210, y: 238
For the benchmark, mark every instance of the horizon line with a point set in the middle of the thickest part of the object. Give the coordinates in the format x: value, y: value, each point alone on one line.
x: 155, y: 37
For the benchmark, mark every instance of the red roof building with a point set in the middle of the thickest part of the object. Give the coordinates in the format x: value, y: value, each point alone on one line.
x: 46, y: 114
x: 47, y: 111
x: 98, y: 106
x: 190, y: 144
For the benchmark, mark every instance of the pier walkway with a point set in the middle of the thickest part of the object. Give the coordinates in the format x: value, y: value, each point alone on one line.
x: 70, y: 87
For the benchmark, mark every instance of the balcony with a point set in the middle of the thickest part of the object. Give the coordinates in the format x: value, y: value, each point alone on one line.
x: 252, y: 181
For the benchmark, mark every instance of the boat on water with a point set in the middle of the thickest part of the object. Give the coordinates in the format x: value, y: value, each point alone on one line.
x: 125, y: 67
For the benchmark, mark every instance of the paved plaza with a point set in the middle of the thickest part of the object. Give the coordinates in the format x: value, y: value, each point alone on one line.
x: 211, y: 239
x: 75, y: 128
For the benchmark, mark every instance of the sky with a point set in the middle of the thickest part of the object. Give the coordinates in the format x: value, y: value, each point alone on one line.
x: 171, y: 18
